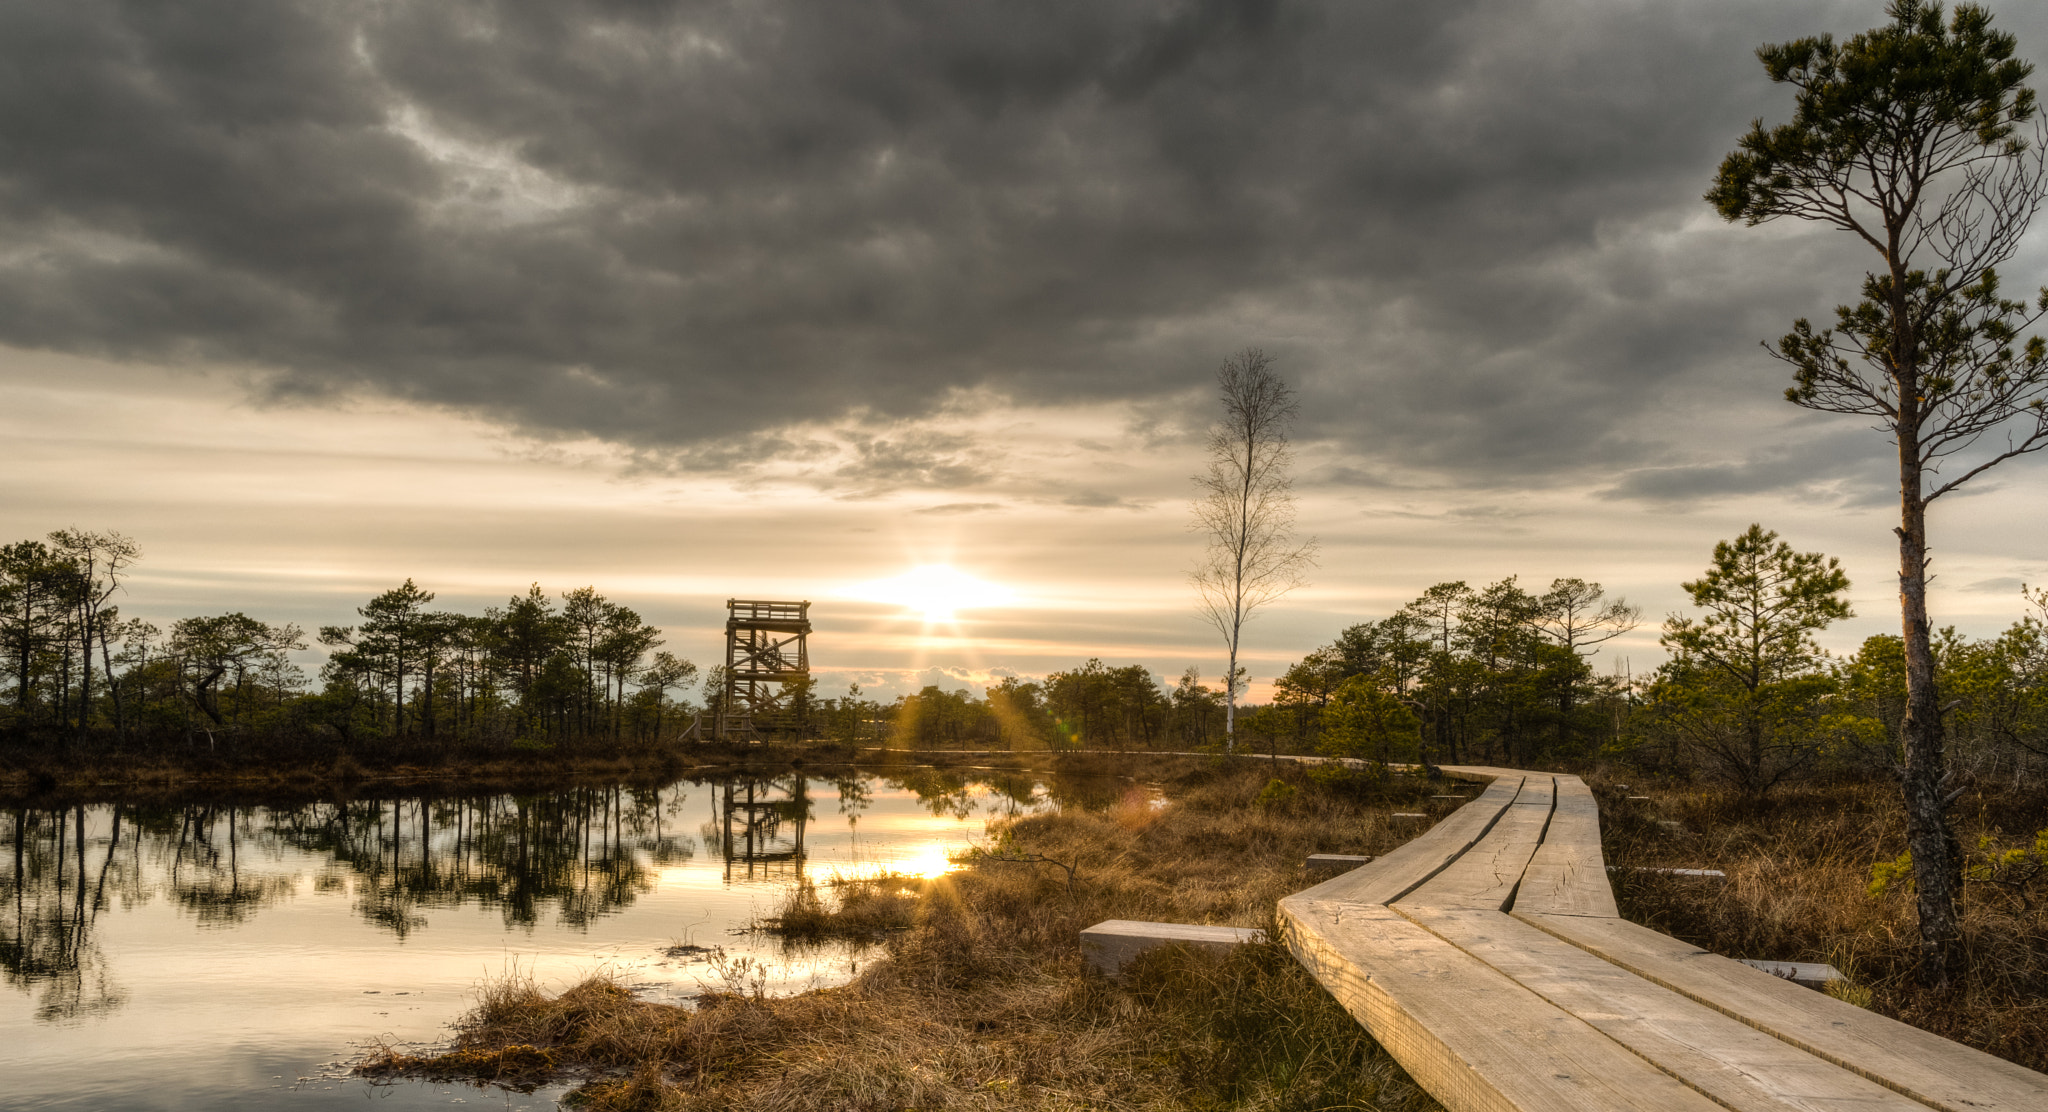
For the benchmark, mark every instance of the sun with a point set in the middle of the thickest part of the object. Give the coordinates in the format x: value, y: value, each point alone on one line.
x: 937, y: 591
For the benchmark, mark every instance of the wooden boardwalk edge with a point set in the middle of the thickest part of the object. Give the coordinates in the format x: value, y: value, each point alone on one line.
x: 1488, y: 956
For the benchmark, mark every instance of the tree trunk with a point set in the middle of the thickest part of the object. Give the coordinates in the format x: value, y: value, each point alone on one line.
x: 85, y: 668
x: 397, y: 696
x: 1937, y: 875
x: 1230, y: 702
x: 114, y: 686
x: 1753, y: 755
x: 63, y: 692
x: 23, y: 660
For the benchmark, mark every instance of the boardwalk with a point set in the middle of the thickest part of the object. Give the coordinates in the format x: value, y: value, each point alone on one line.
x: 1488, y: 957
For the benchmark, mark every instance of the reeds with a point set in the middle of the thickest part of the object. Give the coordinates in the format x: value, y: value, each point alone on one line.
x: 982, y: 999
x: 1798, y: 889
x: 861, y: 908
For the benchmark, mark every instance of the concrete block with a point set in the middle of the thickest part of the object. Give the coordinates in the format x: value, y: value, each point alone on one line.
x: 1112, y: 943
x: 1812, y: 974
x: 1330, y: 864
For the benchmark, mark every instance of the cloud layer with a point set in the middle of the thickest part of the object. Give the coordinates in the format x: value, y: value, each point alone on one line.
x: 1470, y: 229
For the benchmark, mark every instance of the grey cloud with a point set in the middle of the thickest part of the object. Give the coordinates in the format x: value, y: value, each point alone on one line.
x: 1827, y: 461
x: 1099, y: 500
x: 690, y: 227
x: 2004, y: 585
x: 914, y: 458
x: 950, y: 508
x: 1348, y: 475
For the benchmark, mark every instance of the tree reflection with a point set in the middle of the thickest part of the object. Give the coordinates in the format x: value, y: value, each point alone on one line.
x: 55, y: 891
x: 568, y: 857
x: 580, y: 854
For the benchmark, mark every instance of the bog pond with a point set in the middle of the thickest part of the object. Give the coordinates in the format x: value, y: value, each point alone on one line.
x: 240, y: 952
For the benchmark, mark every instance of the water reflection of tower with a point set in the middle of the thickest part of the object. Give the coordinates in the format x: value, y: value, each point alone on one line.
x: 763, y: 820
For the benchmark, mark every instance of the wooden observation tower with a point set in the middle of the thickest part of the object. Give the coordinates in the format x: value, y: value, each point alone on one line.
x: 764, y: 650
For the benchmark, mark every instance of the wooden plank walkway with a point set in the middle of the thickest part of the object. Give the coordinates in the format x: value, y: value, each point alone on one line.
x: 1487, y: 955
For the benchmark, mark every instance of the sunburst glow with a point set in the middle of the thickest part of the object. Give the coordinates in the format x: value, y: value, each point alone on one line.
x: 937, y: 591
x: 928, y: 863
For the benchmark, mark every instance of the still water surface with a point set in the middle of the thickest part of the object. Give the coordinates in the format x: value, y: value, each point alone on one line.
x: 239, y: 953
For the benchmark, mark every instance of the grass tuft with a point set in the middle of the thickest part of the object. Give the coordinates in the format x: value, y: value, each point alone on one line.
x: 862, y: 908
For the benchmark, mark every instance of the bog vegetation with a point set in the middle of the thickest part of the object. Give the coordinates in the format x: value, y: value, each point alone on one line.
x: 981, y: 998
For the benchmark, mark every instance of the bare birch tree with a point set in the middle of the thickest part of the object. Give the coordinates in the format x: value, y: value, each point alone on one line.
x: 1246, y: 507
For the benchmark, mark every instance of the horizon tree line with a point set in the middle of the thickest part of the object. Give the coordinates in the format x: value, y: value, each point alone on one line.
x: 532, y: 673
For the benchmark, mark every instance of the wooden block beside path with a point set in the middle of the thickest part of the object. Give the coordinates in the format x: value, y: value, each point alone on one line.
x: 1330, y: 864
x: 1812, y: 974
x: 1112, y: 943
x: 1671, y: 872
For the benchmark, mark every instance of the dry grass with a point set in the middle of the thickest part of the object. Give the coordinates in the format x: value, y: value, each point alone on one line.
x: 984, y: 1001
x: 1799, y: 872
x: 862, y: 908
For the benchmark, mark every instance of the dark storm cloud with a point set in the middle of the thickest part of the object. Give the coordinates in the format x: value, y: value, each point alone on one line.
x: 688, y: 227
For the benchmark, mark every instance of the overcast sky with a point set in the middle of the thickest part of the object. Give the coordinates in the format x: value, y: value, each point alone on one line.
x: 774, y: 298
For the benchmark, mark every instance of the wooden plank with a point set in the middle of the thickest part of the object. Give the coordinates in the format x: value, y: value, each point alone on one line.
x: 1113, y: 943
x: 1738, y: 1066
x: 1568, y: 874
x: 1933, y: 1070
x: 1422, y: 856
x: 1486, y: 875
x: 1477, y: 1041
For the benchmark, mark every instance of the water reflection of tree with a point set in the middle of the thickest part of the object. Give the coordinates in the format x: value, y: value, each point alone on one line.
x: 959, y: 793
x: 582, y: 853
x: 207, y: 877
x: 576, y: 855
x: 55, y: 891
x: 942, y: 791
x: 856, y: 794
